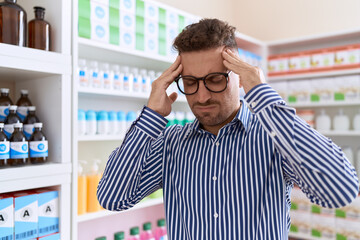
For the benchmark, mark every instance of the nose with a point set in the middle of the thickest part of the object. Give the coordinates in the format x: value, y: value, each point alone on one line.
x: 203, y: 93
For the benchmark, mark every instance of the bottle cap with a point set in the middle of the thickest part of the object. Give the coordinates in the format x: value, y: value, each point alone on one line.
x: 135, y: 71
x: 161, y: 222
x: 81, y: 115
x: 121, y: 116
x: 1, y: 125
x: 94, y: 64
x: 134, y: 231
x: 125, y: 69
x: 102, y: 116
x: 131, y: 116
x: 115, y: 67
x: 105, y: 66
x: 112, y: 116
x: 4, y: 90
x: 90, y: 115
x: 24, y: 92
x: 82, y: 62
x: 38, y: 125
x: 13, y: 107
x: 147, y: 226
x: 18, y: 125
x: 119, y: 236
x: 37, y: 8
x: 143, y: 72
x: 32, y: 108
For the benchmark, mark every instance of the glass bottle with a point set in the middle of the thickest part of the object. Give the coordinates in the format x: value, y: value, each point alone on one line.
x: 29, y: 121
x: 4, y: 146
x: 39, y: 31
x: 5, y: 103
x: 23, y: 103
x: 19, y: 149
x: 12, y: 23
x: 38, y: 145
x: 11, y: 120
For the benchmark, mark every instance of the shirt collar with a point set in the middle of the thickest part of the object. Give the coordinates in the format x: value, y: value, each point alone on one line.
x: 242, y: 116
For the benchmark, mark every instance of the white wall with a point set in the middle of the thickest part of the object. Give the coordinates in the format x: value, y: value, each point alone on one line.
x: 278, y: 19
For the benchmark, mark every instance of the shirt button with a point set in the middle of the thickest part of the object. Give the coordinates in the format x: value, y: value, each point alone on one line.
x: 217, y: 144
x: 273, y: 134
x: 253, y: 104
x: 216, y: 215
x: 214, y: 178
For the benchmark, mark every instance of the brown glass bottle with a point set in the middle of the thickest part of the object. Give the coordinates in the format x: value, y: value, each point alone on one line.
x: 4, y: 147
x: 29, y: 121
x: 19, y: 148
x: 38, y: 145
x: 23, y: 103
x: 5, y: 102
x: 12, y: 23
x: 39, y: 31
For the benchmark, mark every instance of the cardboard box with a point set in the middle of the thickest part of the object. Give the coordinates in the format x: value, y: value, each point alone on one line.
x: 6, y: 217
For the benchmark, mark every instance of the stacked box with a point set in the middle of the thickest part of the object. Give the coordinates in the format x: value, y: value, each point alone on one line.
x: 6, y: 217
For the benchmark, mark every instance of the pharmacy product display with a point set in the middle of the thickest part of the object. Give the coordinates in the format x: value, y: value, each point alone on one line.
x: 335, y: 58
x: 311, y: 220
x: 32, y: 214
x: 323, y: 90
x: 132, y: 24
x: 102, y: 75
x: 134, y: 233
x: 12, y: 23
x: 39, y: 31
x: 250, y: 58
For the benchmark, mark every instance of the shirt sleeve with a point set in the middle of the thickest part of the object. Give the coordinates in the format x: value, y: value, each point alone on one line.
x: 312, y: 161
x: 134, y: 170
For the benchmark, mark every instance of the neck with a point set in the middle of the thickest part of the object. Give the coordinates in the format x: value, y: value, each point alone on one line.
x: 215, y: 129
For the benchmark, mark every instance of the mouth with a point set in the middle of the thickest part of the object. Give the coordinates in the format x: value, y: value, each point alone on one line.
x: 207, y: 108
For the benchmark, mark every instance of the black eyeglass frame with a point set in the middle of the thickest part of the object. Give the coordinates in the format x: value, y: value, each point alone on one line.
x: 226, y: 75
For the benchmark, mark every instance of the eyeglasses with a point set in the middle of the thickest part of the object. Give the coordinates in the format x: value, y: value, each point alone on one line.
x: 214, y: 82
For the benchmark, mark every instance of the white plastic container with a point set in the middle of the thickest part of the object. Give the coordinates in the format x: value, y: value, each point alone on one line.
x: 95, y: 80
x: 102, y: 120
x: 145, y: 81
x: 113, y: 123
x: 83, y: 73
x: 130, y: 118
x: 106, y: 76
x: 341, y: 121
x: 323, y: 121
x: 91, y: 126
x: 128, y: 79
x: 117, y: 80
x: 81, y: 122
x: 136, y: 80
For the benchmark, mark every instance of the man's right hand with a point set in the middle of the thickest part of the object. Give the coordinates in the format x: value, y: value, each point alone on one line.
x: 159, y: 101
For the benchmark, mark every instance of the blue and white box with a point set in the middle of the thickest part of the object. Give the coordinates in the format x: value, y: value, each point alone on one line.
x: 127, y: 39
x: 99, y: 12
x: 128, y: 5
x: 151, y: 11
x: 99, y: 31
x: 6, y: 218
x: 48, y: 202
x: 127, y: 21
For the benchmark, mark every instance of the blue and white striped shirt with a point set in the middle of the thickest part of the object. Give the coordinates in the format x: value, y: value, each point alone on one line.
x: 235, y: 185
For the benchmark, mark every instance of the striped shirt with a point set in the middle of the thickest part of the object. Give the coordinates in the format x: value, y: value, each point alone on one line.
x: 235, y: 185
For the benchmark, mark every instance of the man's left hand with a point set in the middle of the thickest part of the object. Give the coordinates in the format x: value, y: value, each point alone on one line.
x: 249, y: 76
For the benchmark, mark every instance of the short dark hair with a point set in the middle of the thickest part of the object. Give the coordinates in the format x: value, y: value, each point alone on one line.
x: 206, y: 34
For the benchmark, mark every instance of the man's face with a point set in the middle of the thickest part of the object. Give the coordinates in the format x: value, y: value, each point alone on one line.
x: 210, y: 108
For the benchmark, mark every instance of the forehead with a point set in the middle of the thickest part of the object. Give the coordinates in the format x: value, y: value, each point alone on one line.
x: 200, y: 63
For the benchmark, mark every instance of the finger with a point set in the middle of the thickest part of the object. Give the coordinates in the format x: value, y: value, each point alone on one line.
x: 173, y: 97
x: 231, y: 57
x: 167, y: 80
x: 173, y: 66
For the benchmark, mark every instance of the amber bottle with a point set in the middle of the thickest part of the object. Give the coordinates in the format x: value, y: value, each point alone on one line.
x: 12, y: 23
x: 39, y: 31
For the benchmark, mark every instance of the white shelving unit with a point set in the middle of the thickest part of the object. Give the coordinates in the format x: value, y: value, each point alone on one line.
x: 47, y: 76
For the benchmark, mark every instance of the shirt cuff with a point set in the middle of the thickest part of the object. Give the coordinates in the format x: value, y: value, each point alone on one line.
x: 261, y: 96
x: 151, y: 122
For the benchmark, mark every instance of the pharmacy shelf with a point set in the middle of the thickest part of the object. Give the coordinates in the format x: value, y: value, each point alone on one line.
x: 323, y: 74
x: 36, y: 176
x: 105, y: 213
x: 91, y: 92
x: 90, y: 49
x: 89, y: 138
x: 21, y: 62
x: 325, y: 104
x: 341, y: 133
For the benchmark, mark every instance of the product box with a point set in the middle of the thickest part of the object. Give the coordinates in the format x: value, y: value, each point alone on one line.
x: 151, y: 44
x: 348, y: 55
x: 100, y: 32
x: 347, y: 229
x: 55, y: 236
x: 151, y: 11
x: 48, y: 202
x: 6, y: 217
x: 127, y: 39
x: 278, y: 64
x: 322, y: 59
x: 26, y: 215
x: 300, y: 223
x: 172, y: 18
x: 323, y: 227
x: 128, y: 5
x: 151, y: 28
x: 127, y: 21
x: 99, y: 12
x: 351, y: 211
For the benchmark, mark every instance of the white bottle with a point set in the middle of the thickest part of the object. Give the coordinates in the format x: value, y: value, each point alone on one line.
x: 102, y: 123
x: 83, y: 73
x: 91, y: 126
x: 341, y: 121
x: 128, y: 79
x: 118, y: 81
x: 105, y: 74
x: 81, y: 122
x: 136, y: 80
x: 113, y: 123
x: 145, y: 81
x: 356, y: 122
x: 349, y: 154
x: 95, y: 80
x: 323, y: 121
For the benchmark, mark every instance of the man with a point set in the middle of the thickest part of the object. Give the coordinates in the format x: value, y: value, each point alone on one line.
x: 229, y: 174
